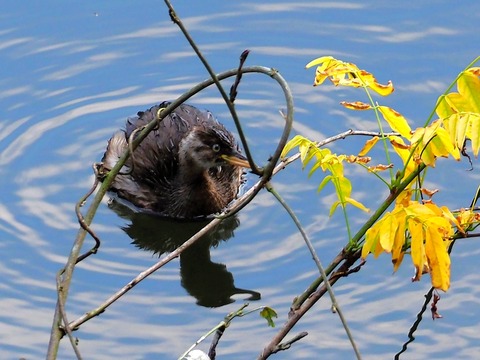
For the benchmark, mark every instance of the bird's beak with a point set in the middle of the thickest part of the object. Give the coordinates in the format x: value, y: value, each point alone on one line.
x: 236, y: 159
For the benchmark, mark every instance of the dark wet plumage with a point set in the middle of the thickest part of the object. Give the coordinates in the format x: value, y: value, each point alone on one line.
x: 182, y: 169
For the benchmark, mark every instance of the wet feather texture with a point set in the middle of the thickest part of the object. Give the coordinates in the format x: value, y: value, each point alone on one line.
x: 181, y: 169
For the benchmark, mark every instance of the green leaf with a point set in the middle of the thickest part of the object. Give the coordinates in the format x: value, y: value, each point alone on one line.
x: 334, y: 207
x: 296, y: 141
x: 324, y: 182
x: 268, y: 313
x: 344, y: 188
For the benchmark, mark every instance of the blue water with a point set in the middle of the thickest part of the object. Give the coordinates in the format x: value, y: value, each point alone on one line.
x: 71, y: 72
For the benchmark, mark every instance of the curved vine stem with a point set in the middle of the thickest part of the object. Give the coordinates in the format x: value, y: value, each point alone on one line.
x: 65, y: 281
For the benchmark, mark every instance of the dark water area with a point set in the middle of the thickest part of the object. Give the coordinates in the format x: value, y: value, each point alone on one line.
x: 72, y: 72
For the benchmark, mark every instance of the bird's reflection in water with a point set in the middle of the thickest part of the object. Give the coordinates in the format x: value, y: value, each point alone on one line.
x: 210, y: 283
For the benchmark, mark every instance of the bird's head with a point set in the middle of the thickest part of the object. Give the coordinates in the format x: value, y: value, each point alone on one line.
x: 205, y: 148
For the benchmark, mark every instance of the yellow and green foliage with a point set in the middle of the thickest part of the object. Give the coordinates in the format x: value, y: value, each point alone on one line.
x: 414, y: 225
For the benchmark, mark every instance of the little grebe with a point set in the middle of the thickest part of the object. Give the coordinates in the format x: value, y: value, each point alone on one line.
x: 189, y: 166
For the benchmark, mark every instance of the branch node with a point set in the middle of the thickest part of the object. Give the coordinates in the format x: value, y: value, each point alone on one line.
x: 286, y: 345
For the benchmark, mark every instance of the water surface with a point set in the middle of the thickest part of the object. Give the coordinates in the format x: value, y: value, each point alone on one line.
x: 71, y: 74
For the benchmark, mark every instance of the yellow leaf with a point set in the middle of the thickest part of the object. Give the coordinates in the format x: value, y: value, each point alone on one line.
x: 368, y: 146
x: 433, y: 212
x: 327, y: 68
x: 399, y: 241
x: 308, y: 151
x: 438, y: 258
x: 417, y: 210
x: 370, y: 81
x: 346, y: 74
x: 469, y: 86
x: 474, y: 70
x: 404, y: 201
x: 324, y: 182
x: 398, y: 143
x: 371, y: 241
x: 466, y: 217
x: 461, y: 129
x: 357, y: 204
x: 358, y: 159
x: 417, y: 135
x: 387, y: 232
x: 430, y: 131
x: 457, y: 102
x: 380, y: 167
x: 443, y: 109
x: 444, y: 144
x: 427, y: 156
x: 319, y: 61
x: 403, y: 151
x: 473, y: 131
x: 344, y: 186
x: 356, y: 105
x: 397, y: 259
x: 417, y: 248
x: 446, y: 213
x: 396, y: 121
x: 428, y: 192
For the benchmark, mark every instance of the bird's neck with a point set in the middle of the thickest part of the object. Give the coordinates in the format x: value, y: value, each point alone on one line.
x: 197, y: 194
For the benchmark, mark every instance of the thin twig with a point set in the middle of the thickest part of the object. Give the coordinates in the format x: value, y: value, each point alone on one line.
x: 238, y: 78
x: 56, y: 332
x: 176, y: 20
x: 349, y: 256
x: 84, y: 225
x: 335, y: 306
x: 234, y: 208
x: 212, y: 351
x: 415, y: 325
x: 222, y: 325
x: 65, y: 318
x: 287, y: 344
